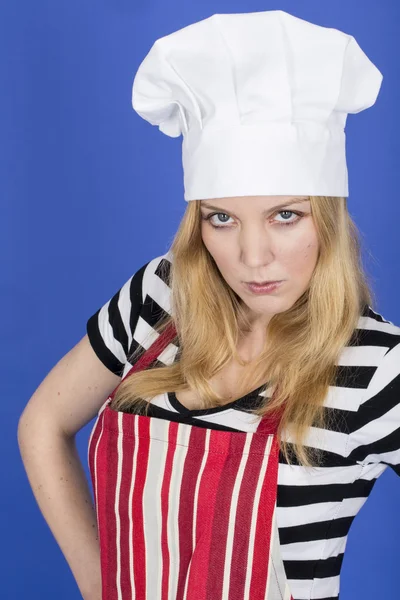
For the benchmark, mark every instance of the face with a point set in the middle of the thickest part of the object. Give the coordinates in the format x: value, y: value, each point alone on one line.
x: 251, y: 239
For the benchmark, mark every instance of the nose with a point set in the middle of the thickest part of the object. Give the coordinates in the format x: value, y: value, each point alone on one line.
x: 256, y: 249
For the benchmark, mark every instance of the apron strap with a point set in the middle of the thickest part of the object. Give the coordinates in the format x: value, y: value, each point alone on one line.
x: 151, y: 353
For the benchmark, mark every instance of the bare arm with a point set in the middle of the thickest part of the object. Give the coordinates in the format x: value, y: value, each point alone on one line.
x: 65, y: 401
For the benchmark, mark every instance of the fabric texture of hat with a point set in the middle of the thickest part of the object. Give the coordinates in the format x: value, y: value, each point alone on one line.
x: 261, y: 100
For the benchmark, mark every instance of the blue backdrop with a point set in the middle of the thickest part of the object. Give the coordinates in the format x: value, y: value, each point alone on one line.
x: 90, y: 192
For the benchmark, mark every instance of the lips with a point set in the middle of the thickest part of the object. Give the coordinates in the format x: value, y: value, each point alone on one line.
x: 263, y: 282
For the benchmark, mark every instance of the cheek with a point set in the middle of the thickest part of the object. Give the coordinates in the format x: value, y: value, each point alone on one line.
x: 216, y: 245
x: 301, y: 257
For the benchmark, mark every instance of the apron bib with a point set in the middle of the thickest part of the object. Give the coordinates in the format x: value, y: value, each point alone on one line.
x: 185, y: 512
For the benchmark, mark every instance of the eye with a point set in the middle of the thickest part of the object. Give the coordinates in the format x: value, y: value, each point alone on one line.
x: 208, y: 218
x: 285, y: 222
x: 292, y: 212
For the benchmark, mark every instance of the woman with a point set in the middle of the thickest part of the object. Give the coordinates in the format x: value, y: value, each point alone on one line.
x: 244, y: 426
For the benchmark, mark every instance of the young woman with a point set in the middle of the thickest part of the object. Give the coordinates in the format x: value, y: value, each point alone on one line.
x: 240, y: 427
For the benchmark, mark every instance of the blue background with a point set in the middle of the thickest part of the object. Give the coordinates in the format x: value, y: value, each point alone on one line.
x: 90, y: 192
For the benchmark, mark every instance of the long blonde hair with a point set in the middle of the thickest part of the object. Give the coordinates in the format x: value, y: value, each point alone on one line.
x: 303, y: 342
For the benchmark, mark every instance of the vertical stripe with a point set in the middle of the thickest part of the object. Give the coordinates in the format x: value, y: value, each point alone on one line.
x: 177, y: 513
x: 131, y: 476
x: 254, y: 519
x: 110, y: 461
x: 96, y: 478
x: 192, y: 469
x: 116, y: 505
x: 93, y: 443
x: 92, y: 459
x: 152, y: 504
x: 102, y: 492
x: 165, y: 507
x: 159, y: 430
x: 262, y: 541
x: 139, y: 542
x: 126, y: 447
x: 237, y: 535
x: 240, y: 550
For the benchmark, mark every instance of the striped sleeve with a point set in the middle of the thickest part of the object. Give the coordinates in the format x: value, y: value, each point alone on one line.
x: 110, y: 329
x: 376, y: 435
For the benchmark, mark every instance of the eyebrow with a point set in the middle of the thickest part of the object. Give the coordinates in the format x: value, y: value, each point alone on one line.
x: 269, y: 210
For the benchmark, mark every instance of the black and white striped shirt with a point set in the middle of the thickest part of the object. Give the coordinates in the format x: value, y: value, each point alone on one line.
x: 315, y: 506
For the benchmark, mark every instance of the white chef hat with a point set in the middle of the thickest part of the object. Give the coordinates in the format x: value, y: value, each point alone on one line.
x: 261, y: 100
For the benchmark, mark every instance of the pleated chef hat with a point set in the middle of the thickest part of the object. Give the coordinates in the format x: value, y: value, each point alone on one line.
x: 261, y: 100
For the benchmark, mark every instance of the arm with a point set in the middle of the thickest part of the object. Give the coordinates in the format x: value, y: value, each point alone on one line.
x: 65, y: 401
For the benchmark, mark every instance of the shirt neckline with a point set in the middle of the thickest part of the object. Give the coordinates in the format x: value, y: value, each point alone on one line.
x: 247, y: 402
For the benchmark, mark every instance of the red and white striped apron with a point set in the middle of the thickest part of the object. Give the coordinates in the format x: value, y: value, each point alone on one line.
x: 185, y: 512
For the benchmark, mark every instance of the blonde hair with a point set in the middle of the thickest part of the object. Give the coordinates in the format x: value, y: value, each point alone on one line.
x: 303, y: 342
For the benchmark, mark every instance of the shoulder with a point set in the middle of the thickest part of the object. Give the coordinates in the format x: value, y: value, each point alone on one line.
x: 371, y: 320
x: 375, y: 432
x: 375, y: 337
x: 126, y: 318
x: 380, y: 346
x: 156, y: 277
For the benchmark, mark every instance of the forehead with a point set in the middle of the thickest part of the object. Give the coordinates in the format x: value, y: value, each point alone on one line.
x: 279, y: 198
x: 262, y: 201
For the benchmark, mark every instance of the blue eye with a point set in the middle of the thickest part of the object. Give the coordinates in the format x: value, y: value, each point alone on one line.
x: 285, y: 224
